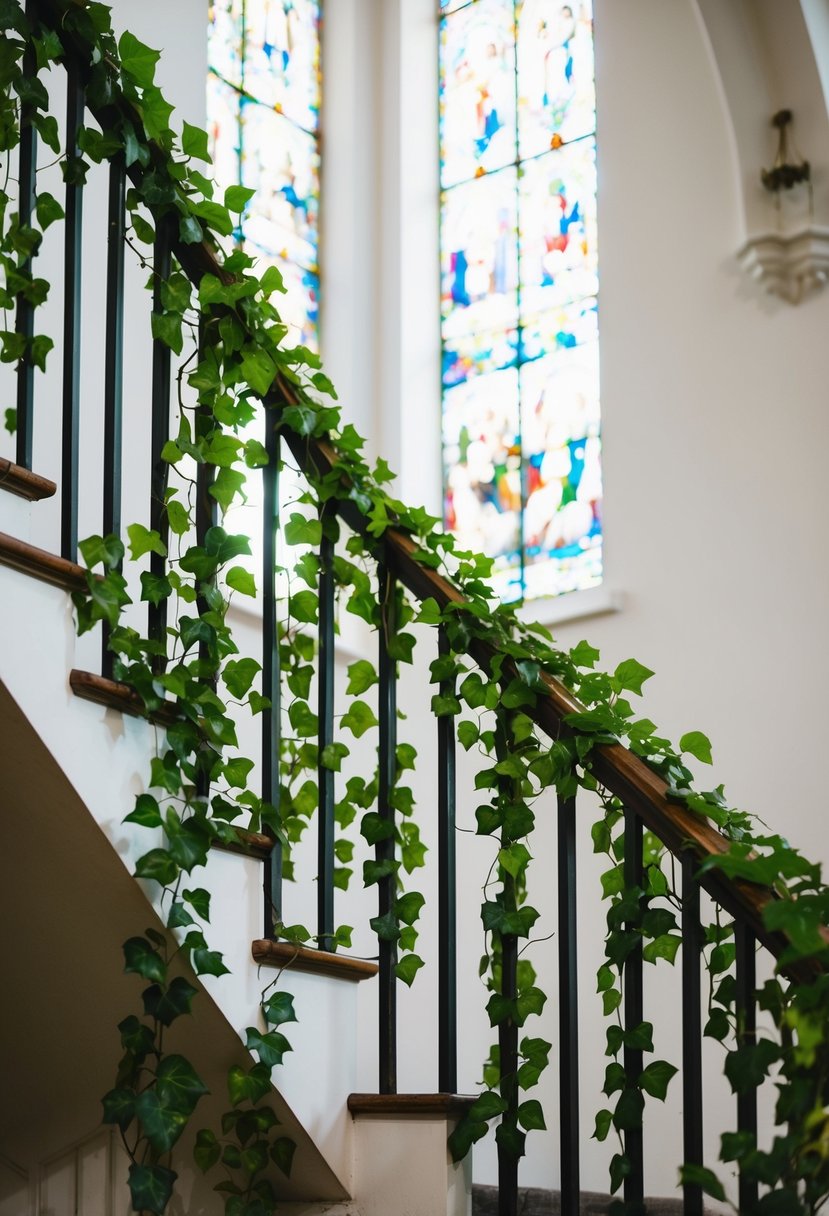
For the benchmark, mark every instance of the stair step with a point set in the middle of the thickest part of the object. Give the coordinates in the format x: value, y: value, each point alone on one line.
x: 23, y: 482
x: 267, y: 952
x: 40, y: 564
x: 534, y: 1201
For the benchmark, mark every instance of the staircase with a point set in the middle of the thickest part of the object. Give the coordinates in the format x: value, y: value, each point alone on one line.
x: 81, y: 731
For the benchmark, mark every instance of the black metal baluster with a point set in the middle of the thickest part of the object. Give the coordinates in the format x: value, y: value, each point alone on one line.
x: 508, y: 791
x: 113, y: 368
x: 206, y: 517
x: 162, y: 261
x: 270, y: 669
x: 73, y: 233
x: 25, y: 324
x: 447, y: 894
x: 325, y: 841
x: 384, y: 849
x: 691, y: 1032
x: 634, y: 1185
x: 746, y: 1008
x: 508, y: 1056
x: 568, y: 1006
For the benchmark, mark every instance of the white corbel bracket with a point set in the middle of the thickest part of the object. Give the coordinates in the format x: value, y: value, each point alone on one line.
x: 789, y: 266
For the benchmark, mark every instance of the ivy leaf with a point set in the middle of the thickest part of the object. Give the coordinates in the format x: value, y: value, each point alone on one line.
x: 151, y: 1187
x: 373, y: 827
x: 158, y: 866
x: 664, y: 946
x: 161, y: 1125
x: 409, y: 907
x: 386, y: 927
x: 137, y: 61
x: 695, y: 743
x: 241, y: 580
x: 215, y: 216
x: 515, y: 859
x: 168, y: 1004
x: 270, y: 1047
x: 631, y: 675
x: 282, y: 1154
x: 208, y: 962
x: 119, y: 1107
x: 147, y: 812
x: 748, y: 1066
x: 361, y: 676
x: 48, y: 210
x: 251, y: 1085
x: 194, y: 142
x: 531, y: 1116
x: 143, y: 540
x: 628, y: 1113
x: 302, y: 531
x: 604, y: 1118
x: 620, y: 1168
x: 279, y: 1008
x: 656, y: 1077
x: 237, y: 198
x: 467, y: 1132
x: 487, y: 1106
x: 239, y: 674
x: 358, y: 718
x: 141, y: 958
x: 407, y: 968
x: 468, y: 734
x: 258, y: 369
x: 207, y: 1150
x: 698, y: 1175
x: 304, y: 606
x: 178, y: 1084
x: 199, y: 901
x: 585, y: 655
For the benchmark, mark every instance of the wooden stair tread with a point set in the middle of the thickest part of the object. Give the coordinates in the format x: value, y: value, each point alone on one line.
x: 16, y: 479
x: 318, y: 962
x: 115, y: 695
x: 378, y: 1105
x: 48, y: 567
x: 536, y: 1201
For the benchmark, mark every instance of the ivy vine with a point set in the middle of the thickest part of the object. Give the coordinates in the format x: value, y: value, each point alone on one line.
x: 222, y: 320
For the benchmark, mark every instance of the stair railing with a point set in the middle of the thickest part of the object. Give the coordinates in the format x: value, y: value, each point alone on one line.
x: 643, y: 794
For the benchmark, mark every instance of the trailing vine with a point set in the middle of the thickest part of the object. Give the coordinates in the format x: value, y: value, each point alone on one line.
x: 222, y: 321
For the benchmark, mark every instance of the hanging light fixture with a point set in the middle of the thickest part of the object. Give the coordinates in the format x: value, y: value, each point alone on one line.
x: 785, y: 174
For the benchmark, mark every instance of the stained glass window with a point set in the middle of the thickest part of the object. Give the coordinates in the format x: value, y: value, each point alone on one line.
x: 521, y: 424
x: 263, y: 100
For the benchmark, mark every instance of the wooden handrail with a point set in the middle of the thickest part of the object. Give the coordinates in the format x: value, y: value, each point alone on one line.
x: 617, y: 768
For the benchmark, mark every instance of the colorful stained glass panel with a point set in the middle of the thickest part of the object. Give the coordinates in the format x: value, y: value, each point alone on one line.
x: 282, y: 58
x: 557, y: 92
x: 558, y: 227
x: 263, y: 95
x: 478, y: 91
x: 479, y: 260
x: 561, y: 449
x: 477, y: 103
x: 225, y: 38
x: 562, y: 328
x: 477, y: 354
x: 281, y: 163
x: 482, y: 456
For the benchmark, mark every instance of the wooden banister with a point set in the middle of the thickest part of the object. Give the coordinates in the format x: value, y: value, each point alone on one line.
x: 618, y: 769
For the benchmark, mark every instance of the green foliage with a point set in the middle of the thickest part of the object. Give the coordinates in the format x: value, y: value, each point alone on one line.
x: 196, y: 670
